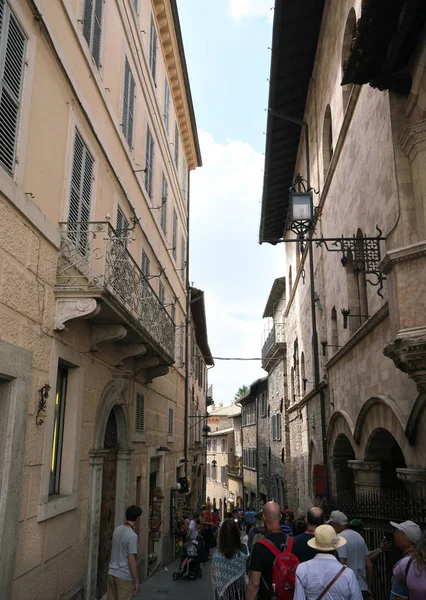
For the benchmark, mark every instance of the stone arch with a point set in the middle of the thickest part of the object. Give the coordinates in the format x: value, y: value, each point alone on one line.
x: 383, y: 450
x: 414, y: 420
x: 348, y: 36
x: 343, y: 452
x: 314, y: 459
x: 111, y: 401
x: 388, y: 414
x: 340, y: 423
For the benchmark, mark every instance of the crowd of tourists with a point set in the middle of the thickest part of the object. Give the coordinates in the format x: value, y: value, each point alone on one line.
x: 273, y: 556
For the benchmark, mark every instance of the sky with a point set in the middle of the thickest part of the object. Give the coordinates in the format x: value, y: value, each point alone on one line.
x: 226, y: 46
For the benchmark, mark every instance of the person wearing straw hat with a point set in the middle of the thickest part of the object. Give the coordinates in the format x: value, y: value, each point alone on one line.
x: 324, y: 577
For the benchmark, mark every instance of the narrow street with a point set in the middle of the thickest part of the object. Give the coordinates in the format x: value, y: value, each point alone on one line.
x: 163, y: 587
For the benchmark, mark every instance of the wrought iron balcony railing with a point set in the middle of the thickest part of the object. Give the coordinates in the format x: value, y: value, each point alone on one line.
x: 275, y: 337
x: 93, y: 259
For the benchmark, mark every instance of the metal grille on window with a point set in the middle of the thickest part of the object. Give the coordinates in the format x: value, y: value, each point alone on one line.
x: 12, y: 60
x: 149, y: 161
x: 164, y: 193
x: 140, y: 413
x: 80, y: 194
x: 174, y: 240
x: 166, y: 105
x: 176, y: 146
x: 122, y: 227
x: 92, y: 27
x: 171, y: 415
x: 161, y: 292
x: 128, y: 104
x: 182, y: 258
x: 173, y: 313
x: 153, y: 50
x: 145, y: 268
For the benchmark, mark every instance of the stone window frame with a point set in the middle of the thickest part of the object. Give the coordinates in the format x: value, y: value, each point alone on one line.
x: 52, y: 506
x: 16, y: 373
x: 171, y: 406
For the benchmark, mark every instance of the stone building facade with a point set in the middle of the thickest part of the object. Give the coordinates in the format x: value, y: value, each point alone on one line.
x: 355, y: 396
x: 98, y: 137
x: 224, y: 471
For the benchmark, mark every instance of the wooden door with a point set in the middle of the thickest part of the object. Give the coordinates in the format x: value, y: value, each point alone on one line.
x: 109, y: 481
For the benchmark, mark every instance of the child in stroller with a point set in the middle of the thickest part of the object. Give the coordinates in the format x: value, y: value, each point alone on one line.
x: 192, y: 556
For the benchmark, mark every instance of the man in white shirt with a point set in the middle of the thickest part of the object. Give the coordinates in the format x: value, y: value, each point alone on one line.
x: 123, y: 579
x: 324, y: 576
x: 354, y: 553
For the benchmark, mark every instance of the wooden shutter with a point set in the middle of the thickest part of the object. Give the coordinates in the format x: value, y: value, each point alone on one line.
x: 153, y: 50
x: 12, y: 51
x: 145, y: 264
x: 140, y: 413
x: 149, y: 161
x: 122, y: 227
x: 80, y: 193
x: 164, y: 193
x: 128, y: 104
x: 92, y: 27
x: 182, y: 258
x: 173, y: 313
x: 174, y: 240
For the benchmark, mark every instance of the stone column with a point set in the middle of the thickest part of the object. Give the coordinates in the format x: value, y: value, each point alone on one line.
x: 96, y: 472
x: 414, y: 481
x: 366, y: 476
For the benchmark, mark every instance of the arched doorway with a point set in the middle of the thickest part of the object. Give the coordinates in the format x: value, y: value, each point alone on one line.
x: 342, y: 452
x: 109, y: 480
x: 109, y: 488
x: 382, y: 447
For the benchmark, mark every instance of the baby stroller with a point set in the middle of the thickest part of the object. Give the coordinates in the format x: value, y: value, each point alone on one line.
x: 195, y: 556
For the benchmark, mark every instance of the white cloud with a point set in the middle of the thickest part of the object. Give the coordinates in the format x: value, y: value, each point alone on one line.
x: 240, y: 9
x: 226, y: 260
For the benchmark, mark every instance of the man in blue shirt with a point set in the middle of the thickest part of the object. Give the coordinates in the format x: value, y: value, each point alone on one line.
x: 405, y: 536
x: 250, y: 516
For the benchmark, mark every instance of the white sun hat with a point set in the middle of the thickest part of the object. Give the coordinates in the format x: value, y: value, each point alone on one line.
x: 326, y: 539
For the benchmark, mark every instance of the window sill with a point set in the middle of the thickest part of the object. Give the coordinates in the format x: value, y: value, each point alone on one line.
x: 171, y: 438
x: 57, y: 506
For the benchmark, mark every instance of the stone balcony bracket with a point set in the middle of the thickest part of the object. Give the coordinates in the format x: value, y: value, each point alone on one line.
x: 74, y: 309
x: 125, y: 351
x: 407, y: 349
x: 104, y: 332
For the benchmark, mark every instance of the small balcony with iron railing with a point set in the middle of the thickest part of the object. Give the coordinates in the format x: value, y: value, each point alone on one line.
x: 235, y: 469
x: 98, y: 279
x: 274, y: 342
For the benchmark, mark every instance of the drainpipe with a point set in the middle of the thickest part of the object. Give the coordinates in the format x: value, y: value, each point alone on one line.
x: 187, y: 338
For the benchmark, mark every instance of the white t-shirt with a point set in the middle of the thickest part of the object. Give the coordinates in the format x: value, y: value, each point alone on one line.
x: 355, y: 550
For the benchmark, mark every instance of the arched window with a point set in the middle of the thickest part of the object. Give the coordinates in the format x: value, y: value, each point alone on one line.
x: 334, y: 331
x: 303, y: 381
x: 349, y: 35
x: 327, y: 141
x: 296, y: 370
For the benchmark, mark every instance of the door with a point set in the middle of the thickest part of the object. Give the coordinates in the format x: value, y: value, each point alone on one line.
x: 107, y: 522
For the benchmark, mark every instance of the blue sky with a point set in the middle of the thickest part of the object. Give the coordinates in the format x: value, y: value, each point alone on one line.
x: 226, y: 46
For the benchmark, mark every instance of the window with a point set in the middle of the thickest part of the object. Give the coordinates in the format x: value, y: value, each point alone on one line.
x: 249, y: 458
x: 263, y: 402
x: 182, y: 332
x: 334, y: 330
x: 223, y: 445
x: 249, y: 414
x: 122, y: 227
x: 223, y: 474
x: 12, y: 60
x: 303, y: 379
x: 176, y: 146
x: 276, y: 427
x: 145, y: 264
x: 277, y: 382
x: 209, y: 445
x: 164, y: 193
x: 153, y: 50
x: 173, y: 313
x: 214, y: 445
x: 184, y: 178
x: 327, y: 141
x: 174, y: 240
x: 170, y: 426
x: 140, y: 414
x: 149, y: 161
x: 214, y: 467
x: 80, y: 193
x: 136, y: 6
x: 58, y: 431
x: 128, y: 104
x: 92, y: 27
x: 166, y: 115
x: 182, y: 258
x: 208, y: 471
x: 348, y: 37
x: 161, y: 292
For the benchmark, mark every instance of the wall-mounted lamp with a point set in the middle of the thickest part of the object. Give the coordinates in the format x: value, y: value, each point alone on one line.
x: 44, y: 395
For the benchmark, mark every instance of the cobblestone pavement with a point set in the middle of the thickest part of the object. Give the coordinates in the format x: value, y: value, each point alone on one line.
x: 161, y: 586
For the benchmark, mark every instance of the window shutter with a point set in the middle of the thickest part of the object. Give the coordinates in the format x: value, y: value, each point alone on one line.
x: 161, y: 292
x: 128, y: 104
x: 174, y: 241
x: 182, y: 258
x: 140, y: 413
x: 166, y: 105
x: 87, y: 21
x: 80, y: 193
x: 173, y: 314
x: 122, y: 227
x: 145, y: 264
x: 149, y: 161
x: 11, y: 77
x: 279, y: 427
x: 171, y: 414
x: 153, y: 50
x: 274, y: 427
x: 136, y: 4
x: 97, y: 30
x: 184, y: 177
x: 164, y: 193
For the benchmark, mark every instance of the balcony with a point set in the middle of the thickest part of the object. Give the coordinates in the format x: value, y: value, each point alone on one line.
x: 235, y: 471
x: 98, y: 279
x: 274, y: 342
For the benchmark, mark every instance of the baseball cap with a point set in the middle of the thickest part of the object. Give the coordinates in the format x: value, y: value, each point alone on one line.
x: 411, y: 530
x: 358, y: 524
x: 338, y: 517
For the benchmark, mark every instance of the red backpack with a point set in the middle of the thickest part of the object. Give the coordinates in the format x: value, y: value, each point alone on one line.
x: 283, y: 570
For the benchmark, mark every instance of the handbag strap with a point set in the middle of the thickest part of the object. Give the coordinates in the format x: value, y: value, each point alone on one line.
x: 332, y: 582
